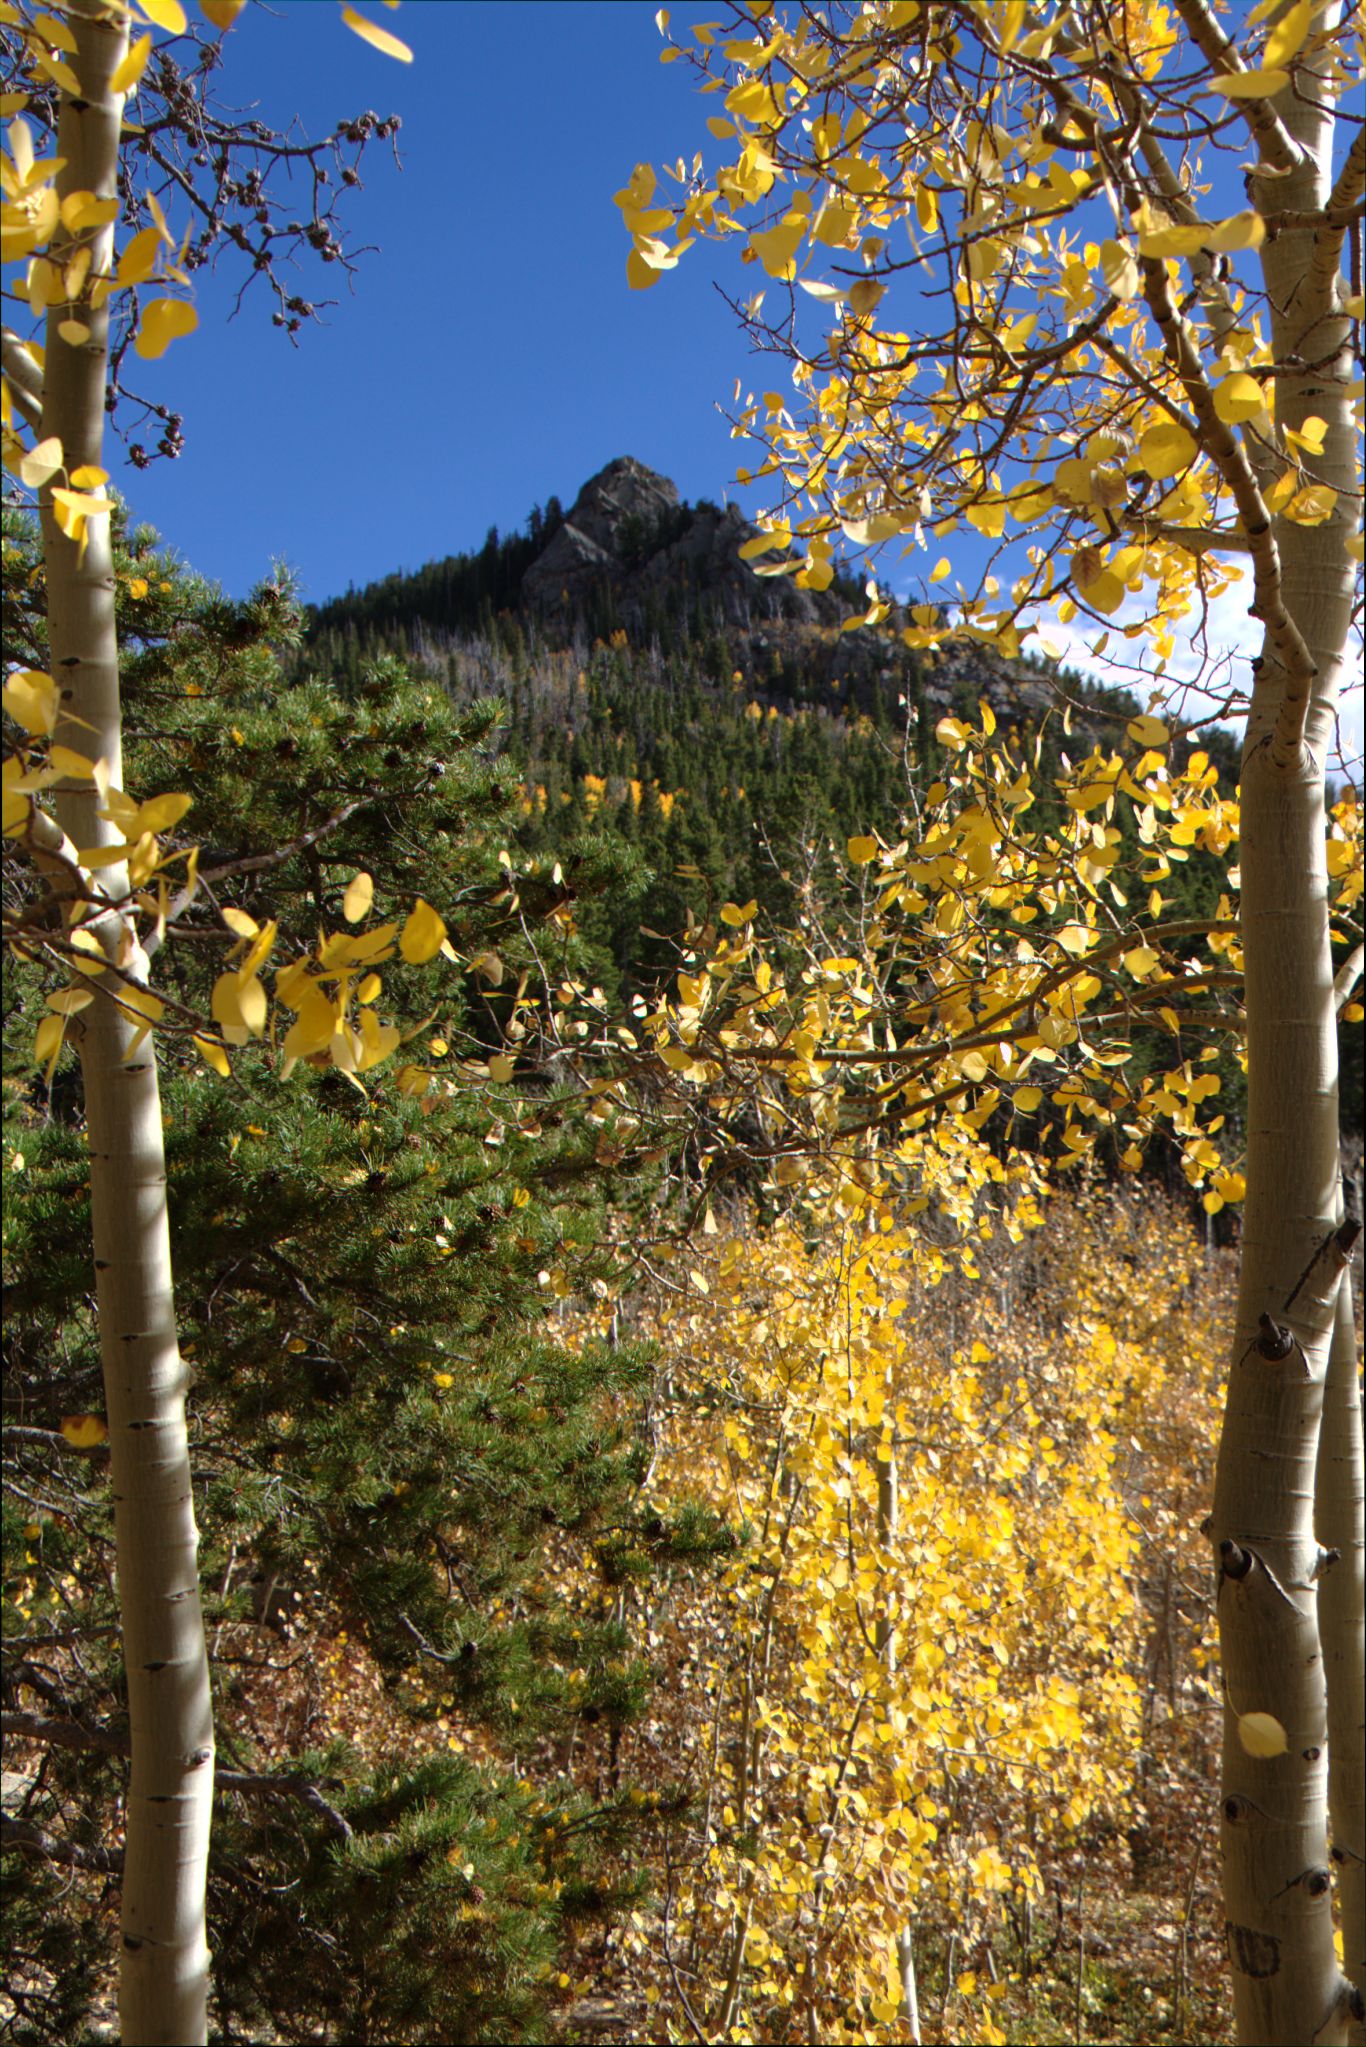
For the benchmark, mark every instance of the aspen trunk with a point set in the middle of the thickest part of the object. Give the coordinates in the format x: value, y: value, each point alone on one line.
x: 887, y: 1517
x: 1288, y: 1987
x: 1338, y: 1514
x: 164, y: 1956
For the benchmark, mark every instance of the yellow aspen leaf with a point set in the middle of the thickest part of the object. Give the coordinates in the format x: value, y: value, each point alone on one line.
x: 1176, y: 239
x: 139, y: 257
x: 313, y: 1027
x: 1146, y: 731
x: 377, y: 1040
x: 988, y: 518
x: 1250, y: 85
x: 828, y: 294
x: 835, y: 223
x: 1287, y: 36
x: 222, y: 13
x: 47, y: 1042
x: 212, y: 1053
x: 1309, y: 435
x: 167, y: 14
x: 86, y: 942
x: 422, y: 936
x: 84, y: 1431
x: 40, y: 463
x: 74, y: 333
x: 927, y: 208
x: 1166, y: 449
x: 62, y: 74
x: 82, y: 210
x: 32, y: 700
x: 251, y: 1004
x: 1119, y: 268
x: 762, y: 543
x: 1105, y: 593
x: 127, y: 74
x: 1245, y: 230
x: 159, y: 813
x: 1140, y: 961
x: 55, y: 32
x: 360, y: 893
x: 501, y: 1067
x: 776, y: 248
x: 71, y: 509
x: 738, y: 913
x: 940, y: 569
x: 1076, y: 939
x: 378, y: 38
x: 164, y: 321
x: 1313, y: 506
x: 1027, y: 1099
x: 73, y: 279
x: 1261, y: 1734
x: 70, y: 1001
x: 861, y: 850
x: 226, y: 1008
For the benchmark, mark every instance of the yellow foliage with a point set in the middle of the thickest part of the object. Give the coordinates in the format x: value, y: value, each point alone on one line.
x: 922, y: 1671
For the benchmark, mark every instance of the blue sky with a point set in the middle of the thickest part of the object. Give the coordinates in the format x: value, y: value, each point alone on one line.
x: 492, y: 353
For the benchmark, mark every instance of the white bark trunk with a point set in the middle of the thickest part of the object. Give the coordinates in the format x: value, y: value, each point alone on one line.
x: 1287, y: 1984
x: 164, y: 1959
x: 1338, y: 1514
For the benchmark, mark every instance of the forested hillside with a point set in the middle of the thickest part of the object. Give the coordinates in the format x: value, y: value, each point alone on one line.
x: 727, y: 728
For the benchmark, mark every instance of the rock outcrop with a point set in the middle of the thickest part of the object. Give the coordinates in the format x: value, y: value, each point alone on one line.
x: 629, y: 533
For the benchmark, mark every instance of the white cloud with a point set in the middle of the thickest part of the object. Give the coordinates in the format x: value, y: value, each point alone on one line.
x: 1208, y: 677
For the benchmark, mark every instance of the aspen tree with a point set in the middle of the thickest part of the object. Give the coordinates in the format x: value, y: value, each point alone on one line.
x: 1067, y: 316
x: 165, y: 1957
x: 98, y: 849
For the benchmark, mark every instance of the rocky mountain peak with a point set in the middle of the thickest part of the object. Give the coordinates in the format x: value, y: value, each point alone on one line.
x: 622, y: 493
x: 628, y: 532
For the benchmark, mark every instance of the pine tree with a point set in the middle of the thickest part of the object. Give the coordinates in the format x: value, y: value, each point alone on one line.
x: 392, y: 1445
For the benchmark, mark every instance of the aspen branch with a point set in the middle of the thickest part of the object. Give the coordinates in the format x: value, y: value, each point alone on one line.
x: 23, y: 376
x: 1231, y: 459
x: 1343, y: 209
x: 1346, y: 978
x: 1278, y: 146
x: 1194, y: 539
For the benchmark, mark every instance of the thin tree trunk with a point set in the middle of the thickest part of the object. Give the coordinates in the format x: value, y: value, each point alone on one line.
x: 887, y: 1510
x: 164, y: 1955
x: 1288, y: 1987
x: 1338, y: 1515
